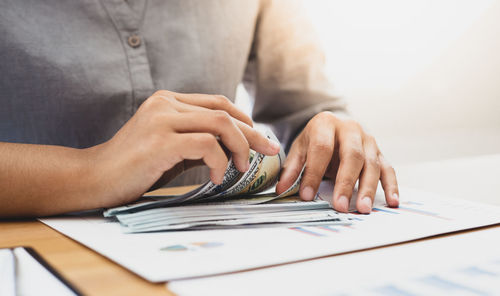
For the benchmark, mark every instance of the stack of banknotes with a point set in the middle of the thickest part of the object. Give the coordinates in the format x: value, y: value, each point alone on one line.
x: 242, y: 200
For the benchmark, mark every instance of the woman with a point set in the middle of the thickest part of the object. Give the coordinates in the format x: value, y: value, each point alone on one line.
x: 100, y: 99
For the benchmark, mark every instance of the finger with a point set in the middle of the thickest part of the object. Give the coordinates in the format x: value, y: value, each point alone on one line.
x: 351, y: 163
x: 292, y: 166
x: 258, y: 141
x: 319, y: 155
x: 203, y: 146
x: 370, y: 175
x: 389, y: 182
x: 214, y: 102
x: 218, y: 123
x: 181, y: 106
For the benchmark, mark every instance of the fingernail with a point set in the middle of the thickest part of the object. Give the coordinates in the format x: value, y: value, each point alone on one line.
x: 308, y: 193
x: 366, y: 205
x: 343, y: 203
x: 275, y: 145
x: 247, y: 167
x: 395, y: 200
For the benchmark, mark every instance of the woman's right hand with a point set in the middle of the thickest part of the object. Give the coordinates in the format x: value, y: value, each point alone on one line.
x: 168, y: 130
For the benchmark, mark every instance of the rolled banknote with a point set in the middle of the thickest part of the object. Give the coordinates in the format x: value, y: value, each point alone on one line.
x: 242, y: 188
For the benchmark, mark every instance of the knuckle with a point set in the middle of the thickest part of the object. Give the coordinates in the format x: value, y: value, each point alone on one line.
x: 390, y: 186
x: 313, y: 177
x: 388, y: 167
x: 352, y: 128
x: 294, y: 171
x: 157, y: 102
x: 221, y: 101
x: 346, y: 182
x: 295, y: 145
x: 161, y: 92
x: 368, y: 192
x: 392, y: 169
x: 220, y: 162
x: 370, y: 139
x: 353, y: 124
x: 355, y: 154
x: 243, y: 147
x: 322, y: 147
x: 372, y: 162
x: 152, y: 102
x: 207, y: 140
x: 324, y: 117
x: 254, y: 135
x: 222, y: 117
x: 246, y: 148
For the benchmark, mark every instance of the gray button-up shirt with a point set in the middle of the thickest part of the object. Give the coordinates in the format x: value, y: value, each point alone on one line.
x: 73, y: 72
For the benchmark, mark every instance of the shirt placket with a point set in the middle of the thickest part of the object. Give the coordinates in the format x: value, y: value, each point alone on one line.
x: 128, y: 24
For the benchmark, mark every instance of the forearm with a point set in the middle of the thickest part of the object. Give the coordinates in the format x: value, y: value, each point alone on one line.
x: 37, y: 180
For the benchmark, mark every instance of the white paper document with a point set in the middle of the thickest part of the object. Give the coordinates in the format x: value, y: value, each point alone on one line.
x: 7, y: 272
x: 165, y: 256
x: 23, y: 272
x: 464, y: 264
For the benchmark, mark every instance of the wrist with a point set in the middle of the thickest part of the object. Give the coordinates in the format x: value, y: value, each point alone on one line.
x: 94, y: 177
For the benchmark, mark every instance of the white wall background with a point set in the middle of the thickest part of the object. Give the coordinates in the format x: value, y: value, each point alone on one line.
x: 422, y: 75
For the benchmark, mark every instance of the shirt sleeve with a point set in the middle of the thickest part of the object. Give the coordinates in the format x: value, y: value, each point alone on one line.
x: 285, y: 72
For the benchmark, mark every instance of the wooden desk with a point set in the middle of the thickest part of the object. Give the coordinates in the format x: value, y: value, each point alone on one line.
x: 88, y: 271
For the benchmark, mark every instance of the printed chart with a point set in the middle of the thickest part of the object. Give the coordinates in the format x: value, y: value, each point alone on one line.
x: 167, y: 256
x: 429, y: 267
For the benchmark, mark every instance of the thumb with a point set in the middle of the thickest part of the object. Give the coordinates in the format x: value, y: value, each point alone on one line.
x: 292, y: 167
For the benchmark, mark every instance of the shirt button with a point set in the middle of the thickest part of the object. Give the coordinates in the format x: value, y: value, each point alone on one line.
x: 134, y: 41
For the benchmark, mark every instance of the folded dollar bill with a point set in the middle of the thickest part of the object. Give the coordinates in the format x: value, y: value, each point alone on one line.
x: 242, y: 199
x: 251, y: 186
x: 285, y: 212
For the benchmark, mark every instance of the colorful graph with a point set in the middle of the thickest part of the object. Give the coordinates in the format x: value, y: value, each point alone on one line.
x: 191, y: 246
x: 208, y: 245
x: 480, y: 279
x: 329, y: 228
x: 477, y: 271
x: 318, y: 231
x: 306, y: 231
x: 422, y: 212
x: 405, y: 208
x: 447, y: 285
x: 174, y: 248
x: 417, y: 208
x: 412, y: 203
x: 384, y: 210
x: 392, y: 290
x: 375, y: 210
x: 356, y: 219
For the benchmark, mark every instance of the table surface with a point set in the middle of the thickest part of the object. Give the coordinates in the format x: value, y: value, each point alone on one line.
x: 93, y: 274
x: 88, y: 271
